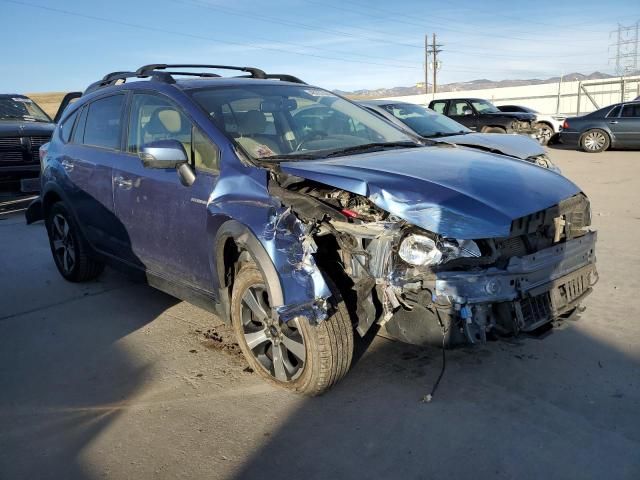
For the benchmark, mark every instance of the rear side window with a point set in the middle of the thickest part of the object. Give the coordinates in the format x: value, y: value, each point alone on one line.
x: 438, y: 106
x: 631, y: 111
x: 67, y: 127
x: 615, y: 112
x: 104, y: 122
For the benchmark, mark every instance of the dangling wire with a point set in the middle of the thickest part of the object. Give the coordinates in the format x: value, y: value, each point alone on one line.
x: 427, y: 398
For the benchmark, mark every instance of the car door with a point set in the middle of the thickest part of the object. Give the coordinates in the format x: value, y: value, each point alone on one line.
x: 462, y: 112
x: 165, y: 220
x: 626, y: 127
x: 87, y: 160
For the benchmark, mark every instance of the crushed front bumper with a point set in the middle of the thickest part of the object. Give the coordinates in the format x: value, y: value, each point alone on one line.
x: 540, y: 286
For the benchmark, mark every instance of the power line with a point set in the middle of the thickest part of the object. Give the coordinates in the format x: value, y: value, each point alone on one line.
x: 197, y: 37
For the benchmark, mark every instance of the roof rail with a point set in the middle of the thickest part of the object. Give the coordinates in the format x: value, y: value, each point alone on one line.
x: 158, y: 72
x: 255, y: 72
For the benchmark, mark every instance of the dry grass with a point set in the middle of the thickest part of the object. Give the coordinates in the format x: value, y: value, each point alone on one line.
x: 48, y: 101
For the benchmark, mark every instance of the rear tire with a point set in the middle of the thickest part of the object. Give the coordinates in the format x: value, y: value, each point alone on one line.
x: 493, y: 130
x: 70, y: 251
x: 545, y: 132
x: 299, y: 356
x: 594, y: 141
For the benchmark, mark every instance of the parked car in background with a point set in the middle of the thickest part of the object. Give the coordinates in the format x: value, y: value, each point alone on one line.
x: 615, y: 126
x: 547, y: 125
x: 24, y: 127
x: 482, y: 116
x: 428, y: 124
x: 298, y: 225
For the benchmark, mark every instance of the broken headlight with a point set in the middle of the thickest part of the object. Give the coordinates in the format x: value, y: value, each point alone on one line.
x: 421, y: 250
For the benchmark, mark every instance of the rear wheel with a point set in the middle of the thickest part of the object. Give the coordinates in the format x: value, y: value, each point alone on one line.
x: 594, y: 141
x: 296, y: 355
x: 70, y: 250
x: 545, y: 132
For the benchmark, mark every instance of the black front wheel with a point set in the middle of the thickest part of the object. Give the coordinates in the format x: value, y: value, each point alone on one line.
x: 297, y: 355
x: 69, y: 249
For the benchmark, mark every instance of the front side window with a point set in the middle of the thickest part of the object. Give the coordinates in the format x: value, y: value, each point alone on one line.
x: 286, y: 120
x: 103, y: 124
x: 614, y: 112
x: 22, y: 109
x: 425, y: 122
x: 155, y: 118
x: 482, y: 106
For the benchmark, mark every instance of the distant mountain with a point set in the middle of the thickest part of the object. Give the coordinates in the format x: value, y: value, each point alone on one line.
x: 480, y: 84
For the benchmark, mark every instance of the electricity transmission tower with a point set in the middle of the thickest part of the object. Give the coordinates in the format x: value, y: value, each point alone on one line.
x: 626, y: 48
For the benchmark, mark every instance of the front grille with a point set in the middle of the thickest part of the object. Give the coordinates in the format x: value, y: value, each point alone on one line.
x: 535, y: 311
x: 8, y: 142
x: 11, y: 157
x: 38, y: 141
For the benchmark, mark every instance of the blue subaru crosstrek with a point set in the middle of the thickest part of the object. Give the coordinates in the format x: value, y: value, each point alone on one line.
x: 301, y: 217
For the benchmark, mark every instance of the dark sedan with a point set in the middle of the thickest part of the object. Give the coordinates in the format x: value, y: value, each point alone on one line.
x: 24, y: 127
x: 615, y: 126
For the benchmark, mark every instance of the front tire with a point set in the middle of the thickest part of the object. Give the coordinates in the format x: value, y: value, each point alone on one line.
x: 594, y: 141
x: 299, y: 356
x: 69, y: 249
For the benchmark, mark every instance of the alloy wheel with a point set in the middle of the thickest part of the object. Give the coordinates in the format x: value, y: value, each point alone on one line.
x: 277, y: 346
x: 63, y: 245
x: 594, y: 141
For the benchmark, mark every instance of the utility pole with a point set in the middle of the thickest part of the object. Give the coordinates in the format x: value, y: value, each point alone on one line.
x: 434, y: 50
x: 426, y: 65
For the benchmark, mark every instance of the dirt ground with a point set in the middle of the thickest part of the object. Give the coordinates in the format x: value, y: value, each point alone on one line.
x: 113, y: 379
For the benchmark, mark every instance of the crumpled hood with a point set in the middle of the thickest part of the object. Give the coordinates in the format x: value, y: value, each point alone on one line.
x: 25, y: 129
x: 457, y: 193
x: 527, y: 117
x: 519, y: 146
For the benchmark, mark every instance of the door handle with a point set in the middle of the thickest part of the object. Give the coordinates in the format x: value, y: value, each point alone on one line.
x: 67, y: 165
x: 123, y: 183
x: 613, y: 122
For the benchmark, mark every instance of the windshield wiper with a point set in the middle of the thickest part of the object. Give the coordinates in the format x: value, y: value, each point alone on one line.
x: 372, y: 146
x: 289, y: 157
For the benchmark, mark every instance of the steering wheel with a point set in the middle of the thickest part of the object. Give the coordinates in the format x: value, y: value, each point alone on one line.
x: 313, y: 135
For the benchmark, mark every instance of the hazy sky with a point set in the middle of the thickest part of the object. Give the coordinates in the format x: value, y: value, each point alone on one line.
x: 346, y: 44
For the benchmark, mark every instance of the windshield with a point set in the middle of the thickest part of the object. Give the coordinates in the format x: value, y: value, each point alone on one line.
x: 21, y: 108
x: 482, y: 106
x: 424, y: 122
x: 286, y: 121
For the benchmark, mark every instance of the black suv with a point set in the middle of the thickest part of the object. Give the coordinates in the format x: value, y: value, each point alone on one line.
x: 482, y: 116
x: 24, y: 127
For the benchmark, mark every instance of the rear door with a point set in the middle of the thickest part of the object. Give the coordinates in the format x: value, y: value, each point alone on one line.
x: 462, y: 112
x: 626, y: 127
x: 87, y: 160
x: 165, y: 221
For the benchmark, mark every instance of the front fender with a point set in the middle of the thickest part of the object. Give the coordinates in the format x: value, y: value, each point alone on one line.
x: 242, y: 209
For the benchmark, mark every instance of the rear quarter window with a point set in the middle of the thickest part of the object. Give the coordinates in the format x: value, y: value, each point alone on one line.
x: 67, y: 127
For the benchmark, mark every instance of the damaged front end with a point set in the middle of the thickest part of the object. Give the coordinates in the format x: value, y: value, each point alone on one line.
x: 422, y: 286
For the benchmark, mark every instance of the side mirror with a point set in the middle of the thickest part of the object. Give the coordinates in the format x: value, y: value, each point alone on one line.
x: 467, y: 111
x: 164, y: 154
